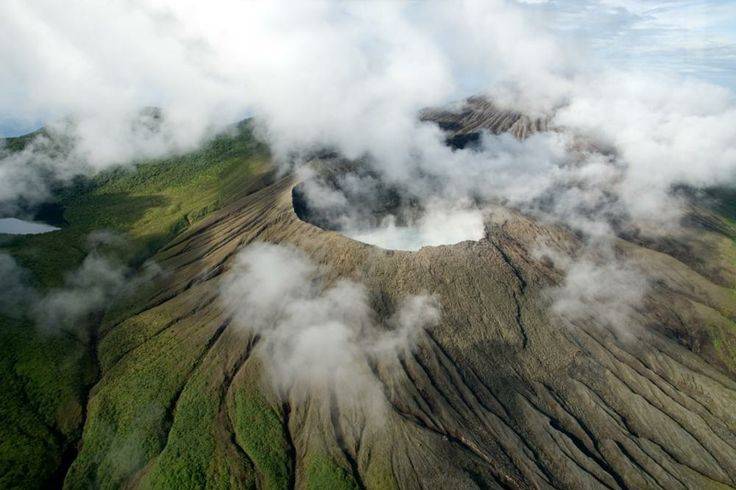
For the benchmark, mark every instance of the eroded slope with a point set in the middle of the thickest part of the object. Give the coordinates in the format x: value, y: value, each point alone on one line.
x: 500, y: 394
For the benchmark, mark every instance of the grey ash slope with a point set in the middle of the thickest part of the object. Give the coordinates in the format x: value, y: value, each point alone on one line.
x: 500, y: 394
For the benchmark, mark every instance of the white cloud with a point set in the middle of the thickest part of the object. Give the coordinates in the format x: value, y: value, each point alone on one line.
x: 17, y: 292
x: 438, y: 225
x: 313, y: 334
x: 86, y: 290
x: 599, y: 288
x: 352, y: 76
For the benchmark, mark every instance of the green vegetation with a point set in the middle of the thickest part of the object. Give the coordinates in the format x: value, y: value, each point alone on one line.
x: 42, y: 381
x: 722, y: 331
x: 261, y: 434
x: 724, y: 202
x: 45, y: 376
x: 158, y: 413
x: 195, y: 454
x: 20, y: 142
x: 725, y: 346
x: 149, y: 205
x: 133, y: 410
x: 322, y: 472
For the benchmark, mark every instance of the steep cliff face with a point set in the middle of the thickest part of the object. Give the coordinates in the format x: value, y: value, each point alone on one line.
x: 502, y: 393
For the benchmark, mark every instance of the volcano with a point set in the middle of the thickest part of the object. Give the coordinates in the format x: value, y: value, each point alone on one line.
x: 502, y: 392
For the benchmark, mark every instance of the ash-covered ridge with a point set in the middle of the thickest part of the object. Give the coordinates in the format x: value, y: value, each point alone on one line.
x: 465, y: 123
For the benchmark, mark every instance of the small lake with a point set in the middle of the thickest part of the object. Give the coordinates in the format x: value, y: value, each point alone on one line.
x: 15, y: 226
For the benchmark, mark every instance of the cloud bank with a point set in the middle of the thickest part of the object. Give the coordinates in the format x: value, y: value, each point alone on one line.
x: 348, y: 76
x: 87, y: 290
x: 315, y: 336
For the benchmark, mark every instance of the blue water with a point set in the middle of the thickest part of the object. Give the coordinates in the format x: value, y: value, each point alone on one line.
x: 15, y: 226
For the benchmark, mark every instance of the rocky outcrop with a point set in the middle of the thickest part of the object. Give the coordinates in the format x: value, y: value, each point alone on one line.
x: 477, y: 114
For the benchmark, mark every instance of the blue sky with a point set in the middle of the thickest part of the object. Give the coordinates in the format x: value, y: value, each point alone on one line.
x: 695, y: 38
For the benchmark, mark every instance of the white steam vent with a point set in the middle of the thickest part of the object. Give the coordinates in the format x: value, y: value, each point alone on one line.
x: 364, y: 208
x: 438, y: 226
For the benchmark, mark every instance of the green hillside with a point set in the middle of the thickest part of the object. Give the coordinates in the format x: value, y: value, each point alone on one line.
x: 45, y: 377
